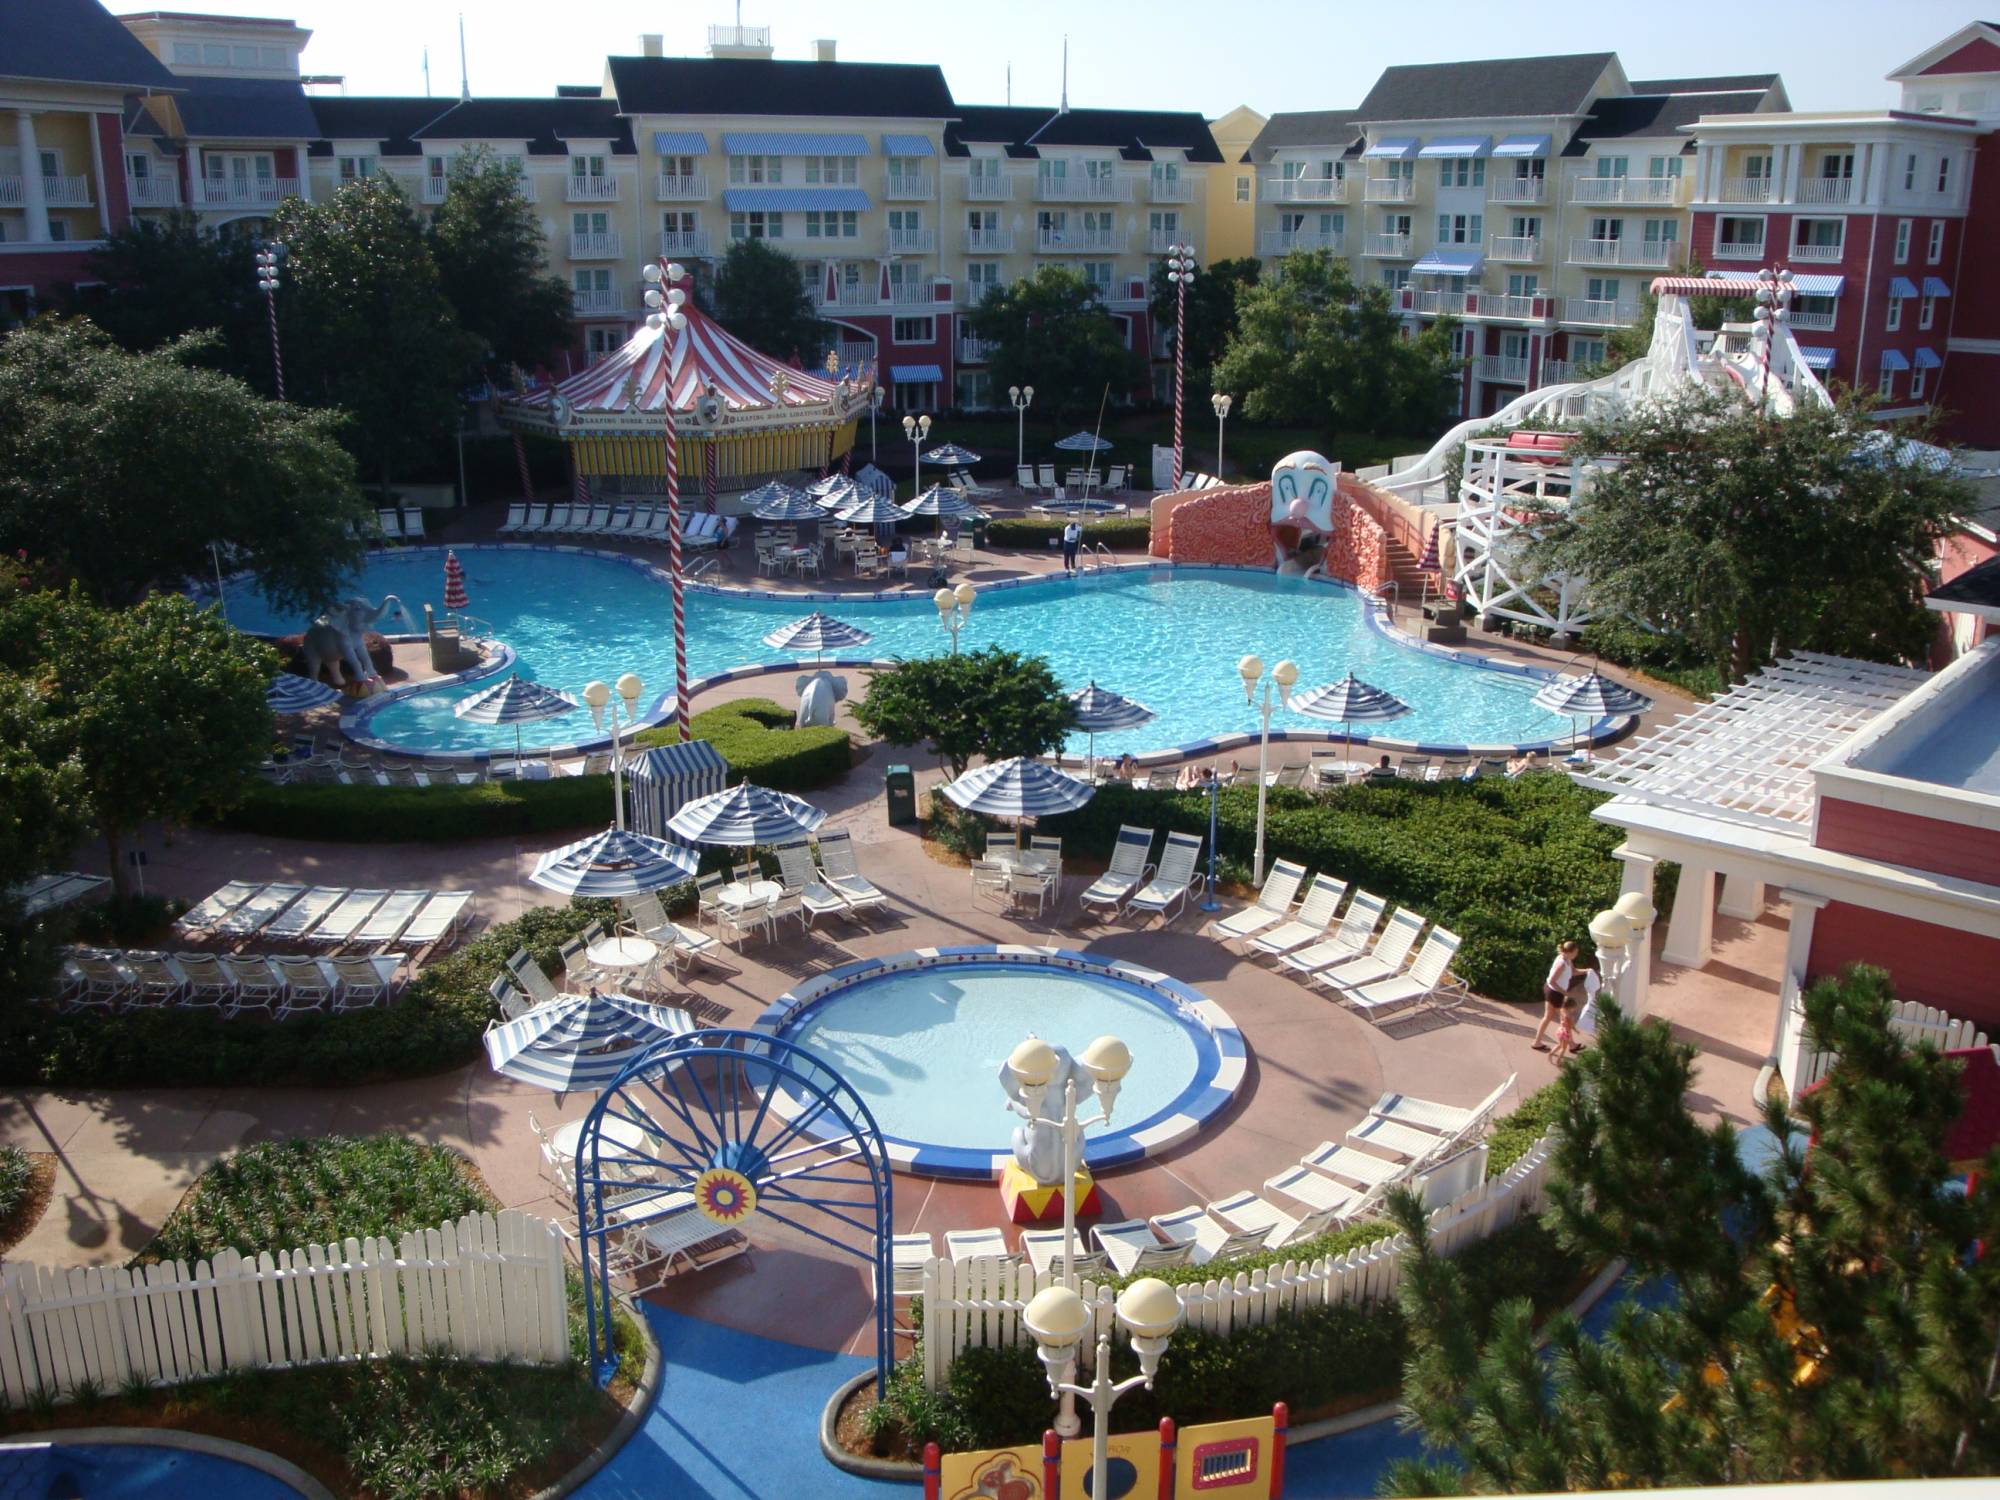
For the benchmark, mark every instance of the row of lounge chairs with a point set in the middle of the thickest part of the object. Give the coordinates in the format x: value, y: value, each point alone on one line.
x: 397, y: 523
x: 1033, y: 477
x: 644, y: 523
x: 230, y: 984
x: 331, y: 915
x: 1134, y: 883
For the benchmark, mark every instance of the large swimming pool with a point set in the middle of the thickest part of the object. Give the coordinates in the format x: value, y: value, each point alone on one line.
x: 1169, y: 638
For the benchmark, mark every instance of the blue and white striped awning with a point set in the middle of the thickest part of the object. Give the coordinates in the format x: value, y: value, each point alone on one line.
x: 939, y: 500
x: 1396, y: 147
x: 792, y: 143
x: 871, y: 478
x: 1927, y: 359
x: 1935, y: 287
x: 1100, y: 711
x: 1455, y: 146
x: 1895, y: 359
x: 817, y: 633
x: 613, y: 863
x: 515, y: 701
x: 745, y: 815
x: 912, y: 374
x: 907, y: 145
x: 1449, y: 263
x: 1816, y: 356
x: 1817, y: 284
x: 290, y: 693
x: 568, y: 1043
x: 680, y: 143
x: 778, y: 501
x: 1590, y: 696
x: 794, y: 200
x: 1902, y: 286
x: 668, y: 777
x: 1019, y: 788
x: 1523, y: 145
x: 1349, y: 701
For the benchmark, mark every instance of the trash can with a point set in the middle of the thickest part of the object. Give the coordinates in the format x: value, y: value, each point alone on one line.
x: 979, y: 524
x: 901, y: 784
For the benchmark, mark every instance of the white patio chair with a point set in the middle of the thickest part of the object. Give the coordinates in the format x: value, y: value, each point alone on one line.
x: 554, y: 1171
x: 843, y: 873
x: 1349, y: 939
x: 1024, y: 476
x: 1114, y: 480
x: 1130, y: 1245
x: 517, y: 518
x: 1273, y: 904
x: 389, y: 525
x: 101, y: 982
x: 800, y: 878
x: 1310, y: 923
x: 1206, y: 1238
x: 1045, y: 476
x: 439, y: 921
x: 258, y: 986
x: 529, y: 975
x: 307, y: 986
x: 989, y: 878
x: 1383, y: 961
x: 649, y: 920
x: 1039, y: 886
x: 364, y: 981
x: 1428, y: 977
x: 962, y: 1245
x: 155, y: 981
x: 1130, y: 868
x: 513, y: 1004
x: 1044, y: 1249
x: 1178, y: 877
x: 209, y: 986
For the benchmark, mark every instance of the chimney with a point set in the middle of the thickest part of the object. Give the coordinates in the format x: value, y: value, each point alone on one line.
x: 651, y: 43
x: 823, y: 49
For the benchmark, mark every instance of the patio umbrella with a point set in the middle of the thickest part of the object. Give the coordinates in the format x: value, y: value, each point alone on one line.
x: 833, y: 492
x: 570, y: 1043
x: 951, y: 453
x: 939, y: 500
x: 290, y: 693
x: 870, y: 509
x: 817, y: 633
x: 828, y: 484
x: 1350, y: 701
x: 1019, y: 788
x: 516, y: 701
x: 871, y: 478
x: 777, y: 501
x: 1083, y: 442
x: 1589, y: 696
x: 1100, y: 711
x: 745, y: 815
x: 614, y: 863
x: 454, y: 583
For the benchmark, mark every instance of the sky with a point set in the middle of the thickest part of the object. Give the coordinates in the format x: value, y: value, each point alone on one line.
x: 1173, y: 54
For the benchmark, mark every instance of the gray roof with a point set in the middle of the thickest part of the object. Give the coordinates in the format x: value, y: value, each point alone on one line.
x: 1655, y: 115
x: 1132, y: 133
x: 1978, y: 586
x: 1305, y: 127
x: 1007, y: 125
x: 1493, y: 88
x: 1725, y: 84
x: 766, y: 86
x: 390, y: 122
x: 75, y: 41
x: 262, y: 109
x: 543, y: 122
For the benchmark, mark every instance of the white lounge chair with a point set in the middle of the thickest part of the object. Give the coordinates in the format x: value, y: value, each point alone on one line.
x: 413, y: 523
x: 537, y: 522
x: 517, y: 518
x: 1364, y: 910
x: 209, y: 986
x: 256, y: 913
x: 389, y: 525
x: 1310, y: 923
x: 1321, y: 1193
x: 1178, y: 876
x: 1363, y: 1168
x: 1444, y: 1119
x: 1044, y: 1249
x: 340, y: 924
x: 799, y: 877
x: 386, y: 923
x: 1205, y: 1238
x: 1045, y: 476
x: 843, y: 874
x: 216, y: 906
x: 440, y: 919
x: 962, y: 1245
x: 1273, y: 903
x: 1248, y: 1211
x: 1130, y: 869
x: 1428, y: 977
x: 594, y: 522
x: 1130, y: 1245
x: 908, y: 1255
x: 1384, y: 961
x: 306, y: 913
x: 1024, y: 476
x: 154, y: 979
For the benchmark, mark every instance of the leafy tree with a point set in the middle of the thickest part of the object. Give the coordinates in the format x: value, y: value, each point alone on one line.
x: 990, y: 702
x: 1311, y: 347
x: 1840, y: 1324
x: 1051, y: 330
x: 40, y: 819
x: 1211, y: 312
x: 1751, y: 535
x: 367, y: 325
x: 169, y: 276
x: 762, y: 299
x: 492, y: 259
x: 159, y: 708
x: 123, y: 469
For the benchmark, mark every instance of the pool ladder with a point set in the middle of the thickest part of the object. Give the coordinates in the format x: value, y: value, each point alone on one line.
x: 1098, y: 558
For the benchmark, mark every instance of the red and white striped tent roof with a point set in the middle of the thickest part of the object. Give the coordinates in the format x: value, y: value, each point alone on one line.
x: 1708, y: 286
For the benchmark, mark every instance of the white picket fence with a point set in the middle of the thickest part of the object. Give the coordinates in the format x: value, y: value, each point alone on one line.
x: 487, y: 1287
x: 977, y: 1303
x: 1909, y: 1020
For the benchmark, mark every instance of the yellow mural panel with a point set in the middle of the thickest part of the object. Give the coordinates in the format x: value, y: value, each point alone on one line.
x: 1225, y: 1458
x: 1133, y: 1472
x: 997, y: 1474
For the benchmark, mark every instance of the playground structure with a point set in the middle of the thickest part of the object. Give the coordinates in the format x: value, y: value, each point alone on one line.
x: 1243, y: 1459
x: 1514, y: 474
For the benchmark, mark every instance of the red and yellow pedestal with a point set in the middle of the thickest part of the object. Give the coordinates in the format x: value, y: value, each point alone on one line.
x: 1030, y: 1202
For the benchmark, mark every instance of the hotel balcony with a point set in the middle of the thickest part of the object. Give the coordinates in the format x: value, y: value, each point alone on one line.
x: 1532, y: 307
x: 591, y: 189
x: 1599, y: 313
x: 690, y: 243
x: 1432, y: 304
x: 598, y: 303
x: 854, y: 354
x: 982, y: 187
x: 1390, y: 190
x: 435, y: 189
x: 906, y: 187
x: 596, y: 246
x: 901, y: 294
x: 1082, y: 190
x: 1561, y: 371
x: 1285, y: 241
x: 153, y: 192
x: 1657, y: 192
x: 1514, y: 250
x: 1623, y: 252
x: 1744, y: 190
x: 1081, y: 241
x: 988, y: 241
x: 248, y: 192
x: 1817, y: 252
x: 1160, y: 241
x: 1738, y: 250
x: 974, y: 351
x: 680, y: 187
x: 1281, y: 189
x: 1827, y: 190
x: 1170, y: 190
x: 1517, y: 190
x: 1818, y: 322
x: 57, y: 192
x: 912, y: 241
x: 1389, y: 246
x: 1511, y: 368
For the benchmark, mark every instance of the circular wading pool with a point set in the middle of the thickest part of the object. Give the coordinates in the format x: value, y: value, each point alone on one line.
x: 921, y: 1036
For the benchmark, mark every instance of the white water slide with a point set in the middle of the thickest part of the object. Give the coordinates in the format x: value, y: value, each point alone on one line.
x: 1504, y: 492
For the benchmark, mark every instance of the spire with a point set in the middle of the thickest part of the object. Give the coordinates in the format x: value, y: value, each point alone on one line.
x: 1065, y: 79
x: 464, y: 84
x: 427, y: 72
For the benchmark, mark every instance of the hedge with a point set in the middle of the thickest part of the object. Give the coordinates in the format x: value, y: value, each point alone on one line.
x: 1120, y: 533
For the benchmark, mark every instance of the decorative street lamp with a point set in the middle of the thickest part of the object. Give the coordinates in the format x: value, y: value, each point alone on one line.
x: 1277, y: 689
x: 1058, y: 1320
x: 1022, y: 396
x: 1180, y: 271
x: 917, y: 430
x: 1610, y: 930
x: 954, y: 606
x: 597, y: 698
x: 667, y: 317
x: 875, y: 395
x: 268, y: 260
x: 1208, y: 901
x: 1637, y: 908
x: 1221, y: 403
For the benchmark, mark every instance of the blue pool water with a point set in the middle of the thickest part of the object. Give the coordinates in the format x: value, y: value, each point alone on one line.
x: 130, y: 1471
x: 1169, y: 640
x: 924, y: 1046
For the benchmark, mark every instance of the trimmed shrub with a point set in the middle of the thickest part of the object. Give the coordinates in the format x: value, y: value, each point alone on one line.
x: 17, y: 1174
x: 756, y: 737
x: 1119, y: 533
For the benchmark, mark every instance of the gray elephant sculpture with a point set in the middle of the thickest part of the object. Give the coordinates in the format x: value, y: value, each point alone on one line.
x: 818, y: 692
x: 337, y: 642
x: 1038, y: 1145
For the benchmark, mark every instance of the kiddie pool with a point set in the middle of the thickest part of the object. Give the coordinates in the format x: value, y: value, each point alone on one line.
x: 922, y: 1035
x: 130, y: 1471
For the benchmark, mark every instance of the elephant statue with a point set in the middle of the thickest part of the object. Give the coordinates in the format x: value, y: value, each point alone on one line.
x: 1038, y: 1145
x: 818, y: 692
x: 337, y: 641
x: 1304, y: 486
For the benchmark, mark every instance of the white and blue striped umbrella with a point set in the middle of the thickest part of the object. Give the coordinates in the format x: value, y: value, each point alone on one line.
x: 777, y: 501
x: 516, y: 701
x: 938, y: 500
x: 1100, y: 711
x: 1019, y: 788
x: 828, y: 484
x: 614, y: 863
x: 745, y: 815
x: 1083, y: 442
x: 817, y: 633
x: 866, y: 508
x: 290, y: 693
x: 871, y: 478
x: 572, y: 1042
x: 1349, y: 701
x: 835, y: 491
x: 1591, y: 696
x: 951, y: 453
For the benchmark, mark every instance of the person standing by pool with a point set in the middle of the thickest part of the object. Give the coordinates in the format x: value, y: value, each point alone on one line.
x: 1072, y: 538
x: 1555, y: 990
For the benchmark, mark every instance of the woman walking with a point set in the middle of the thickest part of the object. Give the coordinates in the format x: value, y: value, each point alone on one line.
x: 1555, y: 989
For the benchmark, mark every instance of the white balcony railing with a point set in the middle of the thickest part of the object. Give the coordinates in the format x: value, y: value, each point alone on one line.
x: 1662, y: 192
x: 1827, y: 190
x: 1561, y: 371
x: 1160, y: 241
x: 598, y: 302
x: 989, y: 187
x: 855, y: 353
x: 1281, y: 189
x: 435, y: 188
x: 1389, y: 246
x: 248, y: 192
x: 739, y: 36
x: 1514, y: 248
x: 683, y: 242
x: 1739, y: 250
x: 1529, y: 307
x: 913, y: 241
x: 910, y: 293
x: 1082, y: 189
x: 1390, y: 190
x: 1080, y: 241
x: 66, y: 192
x: 1744, y: 190
x: 1622, y: 252
x: 907, y: 186
x: 1816, y: 321
x: 596, y: 246
x: 1512, y: 368
x: 1816, y: 252
x: 1517, y: 190
x: 679, y: 187
x: 591, y: 189
x: 1432, y: 303
x: 862, y: 295
x: 974, y: 351
x: 1285, y: 241
x: 1599, y: 312
x: 1170, y: 190
x: 995, y: 241
x: 152, y: 192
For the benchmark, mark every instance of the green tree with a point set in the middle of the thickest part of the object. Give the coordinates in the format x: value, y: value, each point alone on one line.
x: 1211, y: 313
x: 1841, y: 1324
x: 160, y: 707
x: 41, y: 816
x: 1312, y: 348
x: 990, y: 702
x: 492, y: 259
x: 761, y: 297
x: 170, y: 276
x: 124, y: 469
x: 367, y: 325
x: 1051, y: 330
x: 1751, y: 535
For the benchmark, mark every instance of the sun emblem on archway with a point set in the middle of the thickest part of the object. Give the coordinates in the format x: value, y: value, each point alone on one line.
x: 724, y: 1195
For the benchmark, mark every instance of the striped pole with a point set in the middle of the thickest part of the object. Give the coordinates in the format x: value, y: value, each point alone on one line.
x: 674, y: 565
x: 1180, y: 367
x: 521, y: 463
x: 579, y: 487
x: 708, y: 473
x: 277, y: 353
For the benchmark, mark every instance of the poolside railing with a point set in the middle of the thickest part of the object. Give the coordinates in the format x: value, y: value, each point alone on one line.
x: 976, y: 1304
x: 487, y: 1287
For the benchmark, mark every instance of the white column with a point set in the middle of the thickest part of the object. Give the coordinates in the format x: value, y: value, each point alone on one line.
x: 1742, y: 897
x: 34, y: 195
x: 1794, y: 157
x: 1691, y: 927
x: 1635, y: 991
x: 104, y: 182
x: 1789, y: 1048
x: 303, y: 163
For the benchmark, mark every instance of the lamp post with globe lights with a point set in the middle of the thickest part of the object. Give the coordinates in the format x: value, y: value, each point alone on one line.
x: 1180, y: 271
x: 269, y: 257
x: 1637, y: 908
x: 597, y: 698
x: 954, y: 607
x: 875, y: 395
x: 1022, y: 397
x: 1277, y: 690
x: 1059, y: 1320
x: 1221, y: 403
x: 1610, y: 930
x: 918, y: 430
x: 664, y: 297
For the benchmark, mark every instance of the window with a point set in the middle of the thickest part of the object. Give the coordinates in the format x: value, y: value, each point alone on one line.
x: 1886, y: 386
x: 214, y: 55
x: 1821, y: 234
x: 1837, y: 166
x: 1054, y: 171
x: 1523, y: 284
x: 1525, y: 227
x: 1814, y: 311
x: 1099, y: 227
x: 983, y: 172
x: 1586, y: 351
x: 832, y: 224
x: 434, y: 169
x: 58, y: 230
x: 677, y: 166
x: 1926, y: 312
x: 1935, y: 252
x: 1757, y: 167
x: 187, y: 54
x: 599, y: 342
x: 1395, y: 280
x: 756, y: 225
x: 1460, y: 229
x: 913, y: 330
x: 354, y: 168
x: 1895, y: 317
x: 591, y: 279
x: 1613, y: 166
x: 1100, y: 170
x: 1242, y: 190
x: 1398, y: 224
x: 581, y: 167
x: 1663, y: 233
x: 1738, y: 233
x: 1051, y: 225
x: 1530, y: 169
x: 1462, y: 171
x: 1944, y: 174
x: 1663, y: 166
x: 756, y: 169
x: 1166, y: 172
x: 1607, y: 229
x: 590, y: 223
x: 1098, y: 274
x: 138, y: 167
x: 1910, y: 173
x: 837, y: 169
x: 1601, y: 289
x: 678, y: 226
x: 1919, y: 378
x: 981, y: 277
x: 1158, y: 224
x: 975, y: 389
x: 1903, y: 240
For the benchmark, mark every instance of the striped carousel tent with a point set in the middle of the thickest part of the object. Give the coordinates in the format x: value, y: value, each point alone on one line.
x: 668, y: 777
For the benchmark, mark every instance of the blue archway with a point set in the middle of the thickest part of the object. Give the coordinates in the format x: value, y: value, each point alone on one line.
x: 730, y: 1125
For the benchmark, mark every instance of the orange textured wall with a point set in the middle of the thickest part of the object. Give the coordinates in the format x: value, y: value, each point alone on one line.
x: 1227, y: 525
